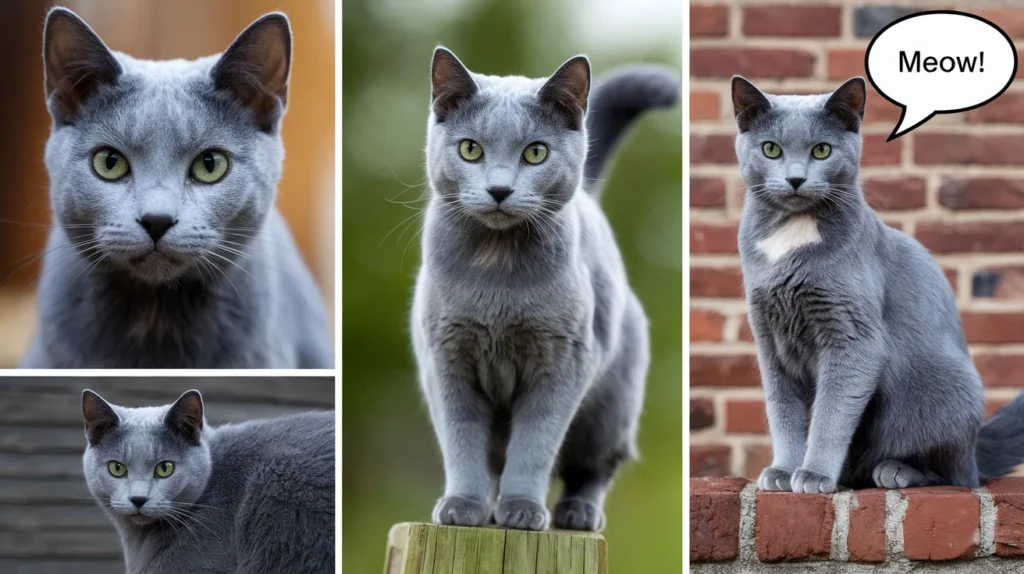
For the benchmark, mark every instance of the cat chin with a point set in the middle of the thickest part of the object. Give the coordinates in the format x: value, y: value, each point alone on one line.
x: 499, y: 220
x: 157, y: 268
x: 794, y: 202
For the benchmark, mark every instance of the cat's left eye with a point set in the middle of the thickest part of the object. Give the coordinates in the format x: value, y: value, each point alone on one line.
x: 821, y: 151
x: 109, y: 164
x: 117, y: 469
x: 164, y: 469
x: 535, y: 153
x: 209, y: 167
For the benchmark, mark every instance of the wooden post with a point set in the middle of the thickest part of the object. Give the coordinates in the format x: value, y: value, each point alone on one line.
x: 417, y: 548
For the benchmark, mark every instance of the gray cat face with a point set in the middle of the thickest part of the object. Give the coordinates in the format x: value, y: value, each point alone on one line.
x: 506, y: 150
x: 146, y: 464
x: 799, y: 152
x: 164, y: 169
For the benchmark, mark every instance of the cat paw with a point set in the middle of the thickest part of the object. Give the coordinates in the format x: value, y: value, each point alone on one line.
x: 773, y: 478
x: 577, y: 514
x: 521, y: 514
x: 895, y: 474
x: 810, y: 482
x: 460, y: 511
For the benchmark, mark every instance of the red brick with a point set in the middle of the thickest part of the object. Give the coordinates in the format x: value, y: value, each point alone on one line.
x: 702, y: 413
x: 951, y: 276
x: 1009, y: 20
x: 982, y: 193
x: 717, y: 148
x: 778, y: 63
x: 804, y: 20
x: 1010, y: 282
x: 708, y: 21
x: 895, y: 194
x: 844, y: 63
x: 705, y: 326
x: 715, y: 518
x: 1008, y: 496
x: 713, y: 238
x: 1000, y: 370
x: 709, y: 460
x: 758, y: 457
x: 716, y: 282
x: 724, y: 371
x: 968, y: 149
x: 993, y: 328
x: 985, y: 237
x: 1007, y: 108
x: 793, y: 526
x: 707, y: 192
x: 879, y: 109
x: 941, y: 523
x: 746, y: 334
x: 879, y: 152
x: 745, y: 416
x: 704, y: 105
x: 866, y: 538
x: 993, y: 405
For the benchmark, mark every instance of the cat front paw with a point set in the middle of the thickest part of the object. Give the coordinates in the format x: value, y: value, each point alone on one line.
x: 578, y: 514
x: 521, y: 514
x: 810, y: 482
x: 460, y: 511
x: 773, y: 478
x: 895, y: 474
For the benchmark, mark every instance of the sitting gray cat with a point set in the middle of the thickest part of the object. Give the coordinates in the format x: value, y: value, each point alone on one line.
x: 167, y: 250
x: 531, y: 346
x: 255, y: 497
x: 866, y: 372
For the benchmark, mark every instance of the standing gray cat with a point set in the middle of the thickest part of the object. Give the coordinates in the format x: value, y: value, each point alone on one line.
x: 255, y: 497
x: 167, y: 250
x: 866, y: 372
x: 531, y: 346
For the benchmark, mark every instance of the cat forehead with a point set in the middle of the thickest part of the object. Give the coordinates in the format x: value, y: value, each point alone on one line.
x: 141, y: 417
x: 166, y: 71
x: 508, y: 88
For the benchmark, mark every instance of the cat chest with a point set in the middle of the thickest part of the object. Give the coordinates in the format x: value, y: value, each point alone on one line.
x: 790, y: 319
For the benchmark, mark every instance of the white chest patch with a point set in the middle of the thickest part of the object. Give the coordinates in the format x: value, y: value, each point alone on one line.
x: 800, y: 230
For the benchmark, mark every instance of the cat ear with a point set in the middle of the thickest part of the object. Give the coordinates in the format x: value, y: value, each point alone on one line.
x: 255, y: 69
x: 748, y: 102
x: 568, y: 89
x: 76, y: 63
x: 185, y: 417
x: 450, y: 83
x: 847, y: 103
x: 99, y: 416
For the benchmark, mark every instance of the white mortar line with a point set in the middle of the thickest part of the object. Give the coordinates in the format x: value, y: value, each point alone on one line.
x: 895, y: 510
x: 987, y: 526
x: 841, y: 526
x: 748, y: 521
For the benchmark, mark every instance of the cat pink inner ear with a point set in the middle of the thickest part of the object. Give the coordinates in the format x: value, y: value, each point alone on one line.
x: 451, y: 84
x: 256, y: 67
x: 185, y: 416
x: 99, y: 417
x: 75, y: 63
x: 847, y: 103
x: 568, y: 89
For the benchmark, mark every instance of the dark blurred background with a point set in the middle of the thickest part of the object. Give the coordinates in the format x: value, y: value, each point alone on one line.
x: 153, y: 29
x: 49, y: 522
x: 392, y: 467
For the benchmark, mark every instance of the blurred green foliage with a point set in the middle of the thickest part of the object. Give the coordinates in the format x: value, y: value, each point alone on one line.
x: 391, y: 464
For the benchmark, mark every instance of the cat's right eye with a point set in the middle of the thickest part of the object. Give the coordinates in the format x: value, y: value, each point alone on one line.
x: 109, y: 164
x: 117, y: 469
x: 470, y: 150
x: 771, y: 150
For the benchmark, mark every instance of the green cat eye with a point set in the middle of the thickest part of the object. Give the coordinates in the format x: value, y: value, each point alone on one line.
x: 117, y: 469
x: 470, y: 150
x: 209, y: 167
x: 535, y: 153
x: 771, y: 149
x: 821, y: 151
x: 109, y: 164
x: 164, y: 469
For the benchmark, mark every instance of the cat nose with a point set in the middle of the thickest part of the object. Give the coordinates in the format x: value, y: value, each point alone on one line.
x: 138, y: 501
x: 157, y: 224
x: 795, y: 181
x: 499, y: 193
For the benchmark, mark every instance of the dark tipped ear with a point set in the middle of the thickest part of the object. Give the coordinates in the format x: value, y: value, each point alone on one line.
x: 450, y: 83
x: 185, y: 417
x: 99, y: 417
x: 748, y: 102
x: 567, y: 90
x: 75, y: 64
x: 255, y: 69
x: 847, y: 103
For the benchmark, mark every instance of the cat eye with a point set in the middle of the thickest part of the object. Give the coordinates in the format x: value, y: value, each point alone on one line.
x: 771, y: 149
x: 164, y: 469
x: 821, y: 151
x: 109, y: 164
x: 535, y: 153
x: 470, y: 150
x: 209, y: 166
x: 117, y: 469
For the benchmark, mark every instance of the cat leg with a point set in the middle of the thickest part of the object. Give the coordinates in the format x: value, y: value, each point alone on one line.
x: 896, y: 474
x: 786, y: 405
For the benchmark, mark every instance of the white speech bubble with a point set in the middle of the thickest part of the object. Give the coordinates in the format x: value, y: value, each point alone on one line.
x: 939, y: 62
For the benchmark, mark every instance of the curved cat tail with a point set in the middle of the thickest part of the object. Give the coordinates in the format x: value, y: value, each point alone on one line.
x: 618, y: 98
x: 1001, y: 441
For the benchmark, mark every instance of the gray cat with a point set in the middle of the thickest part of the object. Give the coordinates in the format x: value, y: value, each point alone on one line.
x: 531, y: 346
x: 255, y: 497
x: 866, y: 372
x: 167, y: 250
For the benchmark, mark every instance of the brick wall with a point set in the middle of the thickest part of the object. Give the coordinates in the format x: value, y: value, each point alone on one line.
x: 956, y: 184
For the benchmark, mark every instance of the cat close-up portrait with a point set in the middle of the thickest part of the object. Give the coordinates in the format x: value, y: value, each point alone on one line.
x: 532, y: 349
x: 184, y: 496
x: 166, y: 248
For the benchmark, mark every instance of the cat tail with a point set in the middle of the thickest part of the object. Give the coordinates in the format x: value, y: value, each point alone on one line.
x: 617, y: 99
x: 1001, y: 441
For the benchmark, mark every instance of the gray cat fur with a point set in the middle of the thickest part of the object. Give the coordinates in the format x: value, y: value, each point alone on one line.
x: 254, y: 497
x: 226, y: 286
x: 532, y: 349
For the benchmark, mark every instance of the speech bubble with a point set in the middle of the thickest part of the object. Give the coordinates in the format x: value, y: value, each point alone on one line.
x: 939, y: 62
